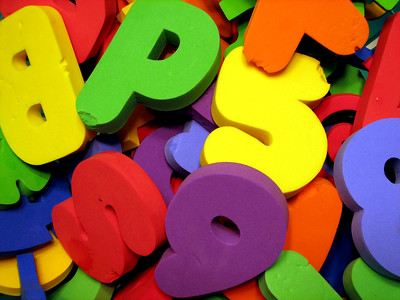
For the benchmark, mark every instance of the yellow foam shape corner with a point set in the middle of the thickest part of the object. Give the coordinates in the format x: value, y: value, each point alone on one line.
x: 52, y: 263
x: 265, y: 122
x: 124, y: 11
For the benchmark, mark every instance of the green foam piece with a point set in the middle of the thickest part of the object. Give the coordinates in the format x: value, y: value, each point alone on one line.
x: 347, y: 79
x: 82, y: 286
x: 17, y: 177
x: 360, y: 6
x: 291, y: 277
x: 242, y: 26
x: 387, y: 4
x: 364, y: 74
x: 130, y: 71
x: 234, y: 8
x: 375, y: 25
x: 362, y: 282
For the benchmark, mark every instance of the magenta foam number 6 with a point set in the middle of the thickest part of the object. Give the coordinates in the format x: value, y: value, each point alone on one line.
x: 226, y: 224
x: 367, y: 176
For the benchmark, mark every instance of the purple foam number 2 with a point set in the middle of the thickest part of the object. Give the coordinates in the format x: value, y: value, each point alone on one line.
x: 367, y: 173
x: 206, y: 255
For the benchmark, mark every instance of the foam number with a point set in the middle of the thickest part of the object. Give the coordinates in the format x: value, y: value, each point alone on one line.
x: 87, y: 21
x: 366, y: 172
x: 181, y: 78
x: 39, y: 82
x: 265, y: 126
x: 291, y: 277
x: 17, y: 177
x: 210, y: 199
x: 314, y: 215
x: 336, y: 113
x: 276, y: 28
x: 110, y: 219
x: 380, y: 96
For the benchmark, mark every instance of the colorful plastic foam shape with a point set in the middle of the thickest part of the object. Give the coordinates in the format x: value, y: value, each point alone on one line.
x: 52, y: 266
x: 142, y: 287
x: 183, y: 151
x: 387, y: 4
x: 276, y: 28
x: 265, y: 122
x: 379, y: 98
x: 366, y: 173
x: 234, y: 8
x: 180, y: 79
x: 24, y: 227
x: 111, y: 219
x: 200, y: 110
x: 376, y: 25
x: 314, y: 216
x: 362, y: 282
x: 329, y: 112
x: 373, y: 10
x: 121, y: 4
x: 336, y: 113
x: 150, y: 155
x: 128, y: 135
x: 243, y: 22
x: 124, y: 11
x: 248, y: 290
x: 82, y: 286
x: 108, y: 39
x: 87, y: 21
x: 219, y: 229
x: 101, y: 143
x: 213, y: 9
x: 347, y: 79
x: 17, y: 177
x: 39, y: 81
x: 341, y: 254
x: 291, y: 277
x: 30, y: 286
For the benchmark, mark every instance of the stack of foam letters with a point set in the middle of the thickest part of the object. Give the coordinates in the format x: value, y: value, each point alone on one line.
x: 159, y: 149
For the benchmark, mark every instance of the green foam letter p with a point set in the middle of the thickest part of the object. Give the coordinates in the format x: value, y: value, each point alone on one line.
x: 130, y: 72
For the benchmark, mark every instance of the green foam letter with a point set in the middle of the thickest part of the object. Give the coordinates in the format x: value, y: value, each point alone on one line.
x: 130, y: 71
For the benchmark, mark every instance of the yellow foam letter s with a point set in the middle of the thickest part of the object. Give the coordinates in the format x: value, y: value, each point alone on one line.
x: 264, y: 125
